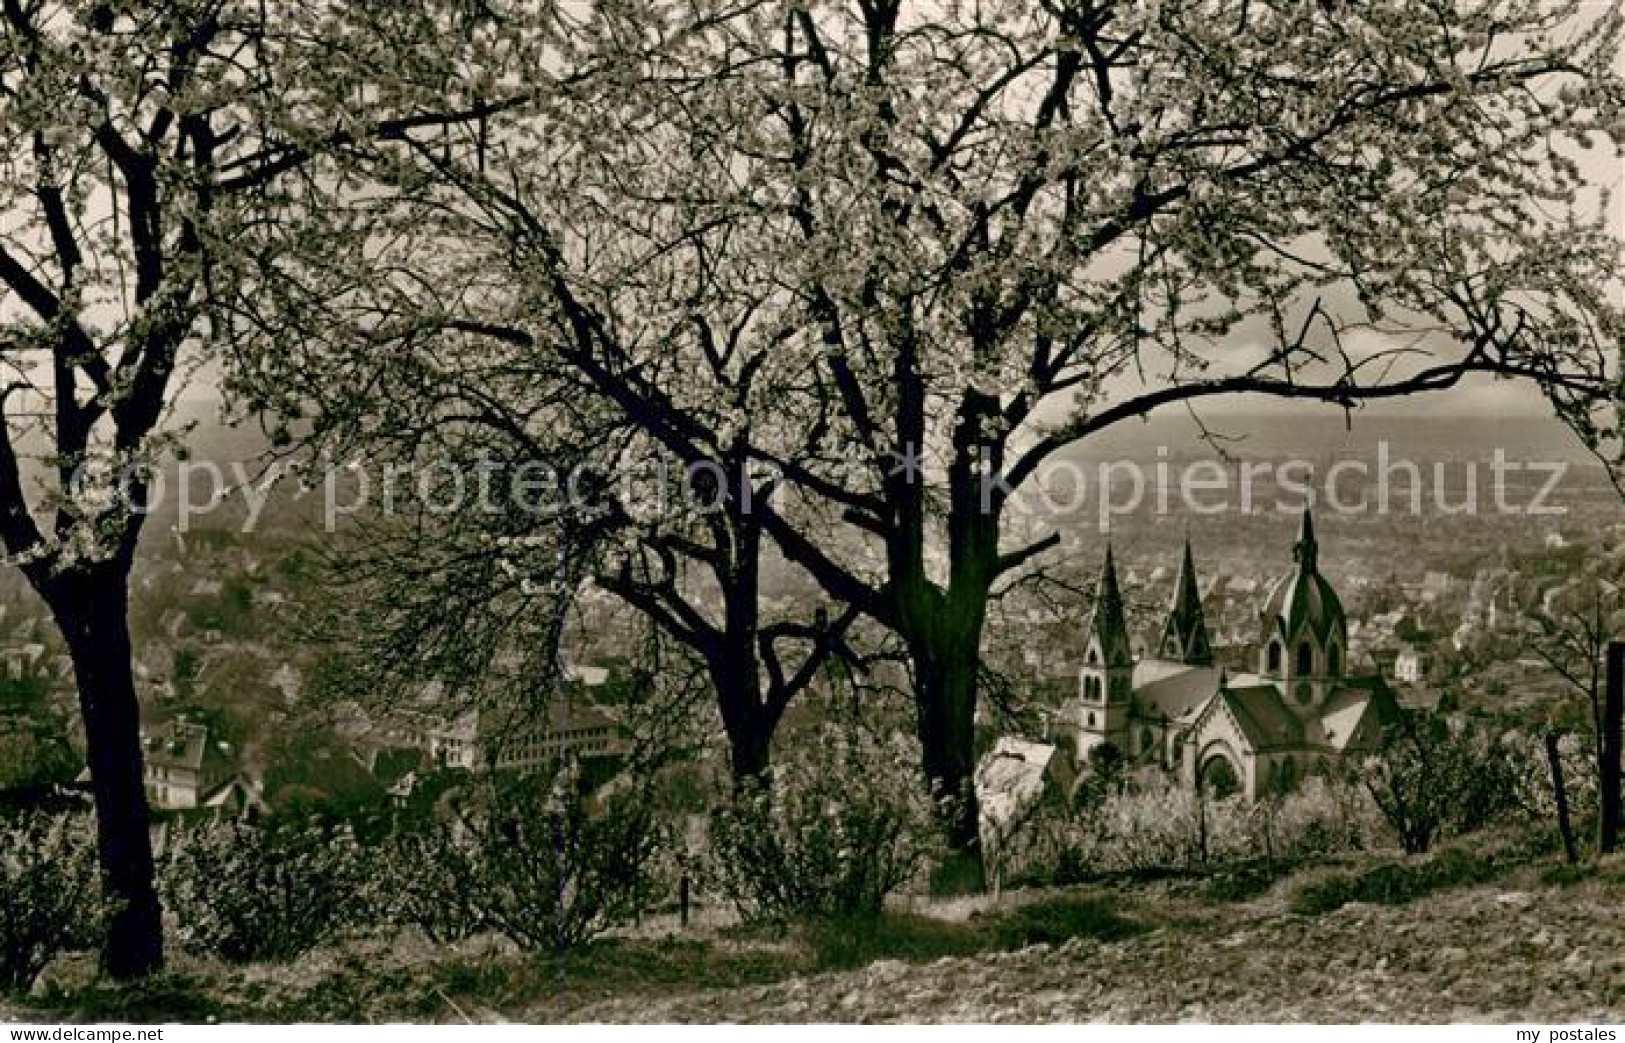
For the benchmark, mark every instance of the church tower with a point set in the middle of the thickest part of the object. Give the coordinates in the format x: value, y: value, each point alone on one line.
x: 1304, y: 646
x: 1184, y: 634
x: 1105, y: 680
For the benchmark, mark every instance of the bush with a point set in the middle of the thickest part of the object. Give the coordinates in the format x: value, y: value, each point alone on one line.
x: 1394, y: 883
x: 844, y: 823
x: 1325, y: 815
x: 1052, y: 921
x: 433, y: 883
x: 1158, y: 826
x: 858, y: 941
x: 533, y: 858
x: 1567, y: 874
x: 1535, y: 797
x: 50, y: 898
x: 1241, y: 882
x: 247, y: 892
x: 1436, y: 777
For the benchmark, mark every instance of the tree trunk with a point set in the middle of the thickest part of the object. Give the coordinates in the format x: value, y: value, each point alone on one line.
x: 945, y: 701
x: 1560, y: 794
x: 1613, y: 710
x: 944, y: 632
x: 91, y: 607
x: 750, y: 734
x: 733, y: 661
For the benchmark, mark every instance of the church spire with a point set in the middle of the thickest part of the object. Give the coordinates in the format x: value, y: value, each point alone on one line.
x: 1108, y: 627
x: 1184, y: 635
x: 1306, y: 549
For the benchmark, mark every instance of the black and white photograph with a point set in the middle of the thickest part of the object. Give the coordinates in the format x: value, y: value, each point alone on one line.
x: 671, y: 512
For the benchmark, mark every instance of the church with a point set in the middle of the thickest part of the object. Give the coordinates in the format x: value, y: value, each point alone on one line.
x: 1257, y: 732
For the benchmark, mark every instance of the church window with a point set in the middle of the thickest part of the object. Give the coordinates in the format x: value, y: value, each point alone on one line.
x: 1091, y: 720
x: 1275, y: 655
x: 1306, y: 658
x: 1334, y: 661
x: 1094, y: 657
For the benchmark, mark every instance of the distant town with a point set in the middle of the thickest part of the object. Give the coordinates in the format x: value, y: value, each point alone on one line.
x: 240, y: 719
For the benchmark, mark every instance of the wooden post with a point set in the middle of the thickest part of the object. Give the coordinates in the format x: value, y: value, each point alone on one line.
x: 1613, y: 710
x: 1201, y: 818
x: 1560, y: 794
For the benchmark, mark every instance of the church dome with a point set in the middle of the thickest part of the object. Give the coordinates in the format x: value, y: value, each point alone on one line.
x: 1303, y: 601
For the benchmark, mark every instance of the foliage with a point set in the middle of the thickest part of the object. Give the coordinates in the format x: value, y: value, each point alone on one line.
x: 1437, y: 777
x: 1246, y: 880
x: 861, y: 940
x: 1393, y: 883
x: 1156, y: 824
x: 309, y: 772
x: 49, y: 899
x: 843, y: 823
x: 265, y: 892
x: 433, y: 883
x: 533, y: 857
x: 862, y: 230
x: 1577, y: 753
x: 1102, y: 776
x: 1051, y: 921
x: 34, y: 751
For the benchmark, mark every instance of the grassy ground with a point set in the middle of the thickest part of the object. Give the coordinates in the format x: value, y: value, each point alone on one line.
x: 1465, y: 935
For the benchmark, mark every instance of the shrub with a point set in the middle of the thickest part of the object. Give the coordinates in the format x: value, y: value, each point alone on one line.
x: 1240, y: 882
x: 50, y: 899
x: 248, y: 892
x: 1158, y: 826
x: 849, y: 942
x: 857, y: 941
x: 1435, y: 777
x: 1567, y: 874
x: 1327, y: 814
x: 1534, y: 794
x: 1052, y: 921
x: 534, y: 858
x: 1394, y: 883
x: 844, y: 823
x: 433, y: 883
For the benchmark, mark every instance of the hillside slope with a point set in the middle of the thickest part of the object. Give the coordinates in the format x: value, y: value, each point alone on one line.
x: 1514, y: 950
x: 1550, y: 954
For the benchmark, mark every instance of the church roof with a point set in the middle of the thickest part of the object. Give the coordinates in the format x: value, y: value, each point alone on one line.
x: 1352, y: 716
x: 1107, y: 623
x: 1303, y: 600
x: 1171, y: 688
x: 1341, y: 716
x: 1356, y: 712
x: 1263, y: 717
x: 1184, y: 634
